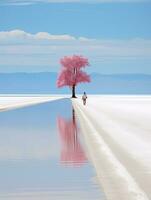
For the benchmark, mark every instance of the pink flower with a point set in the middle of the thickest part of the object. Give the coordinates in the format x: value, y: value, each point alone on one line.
x: 71, y: 72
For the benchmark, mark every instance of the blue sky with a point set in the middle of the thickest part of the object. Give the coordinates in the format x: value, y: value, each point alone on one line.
x: 112, y: 20
x: 115, y: 35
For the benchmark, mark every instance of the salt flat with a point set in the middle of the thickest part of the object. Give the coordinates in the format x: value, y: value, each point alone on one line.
x: 117, y: 132
x: 8, y: 102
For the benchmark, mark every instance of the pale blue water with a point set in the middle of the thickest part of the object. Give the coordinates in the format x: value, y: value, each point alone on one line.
x: 41, y: 155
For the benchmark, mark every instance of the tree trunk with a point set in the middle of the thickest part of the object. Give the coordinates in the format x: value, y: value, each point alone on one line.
x: 73, y: 92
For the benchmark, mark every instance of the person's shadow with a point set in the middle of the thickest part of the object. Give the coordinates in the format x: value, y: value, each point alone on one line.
x: 71, y: 149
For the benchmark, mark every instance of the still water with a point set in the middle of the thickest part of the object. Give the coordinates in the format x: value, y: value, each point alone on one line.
x: 42, y: 156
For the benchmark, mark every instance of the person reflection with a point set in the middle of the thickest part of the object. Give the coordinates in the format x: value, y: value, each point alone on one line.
x: 71, y: 150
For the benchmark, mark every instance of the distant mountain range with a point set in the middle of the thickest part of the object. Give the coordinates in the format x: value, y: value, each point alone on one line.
x: 45, y: 83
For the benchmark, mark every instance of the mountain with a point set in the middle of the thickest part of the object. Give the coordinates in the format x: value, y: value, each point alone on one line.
x: 45, y: 83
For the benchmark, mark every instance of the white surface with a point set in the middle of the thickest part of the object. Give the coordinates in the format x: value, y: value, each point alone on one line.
x: 117, y: 131
x: 12, y: 102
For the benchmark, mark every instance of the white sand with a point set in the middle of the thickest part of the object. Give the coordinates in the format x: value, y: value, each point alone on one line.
x: 13, y: 102
x: 117, y: 131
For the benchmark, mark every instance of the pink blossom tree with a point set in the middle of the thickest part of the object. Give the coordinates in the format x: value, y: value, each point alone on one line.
x: 71, y: 72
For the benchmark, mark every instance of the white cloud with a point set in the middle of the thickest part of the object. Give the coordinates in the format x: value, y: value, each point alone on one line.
x: 42, y: 51
x: 28, y: 2
x: 19, y: 35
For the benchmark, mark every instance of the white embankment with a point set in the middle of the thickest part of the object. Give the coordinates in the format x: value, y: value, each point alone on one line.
x: 117, y: 132
x: 13, y: 102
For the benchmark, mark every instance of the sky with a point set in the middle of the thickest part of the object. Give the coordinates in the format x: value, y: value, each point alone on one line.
x: 115, y: 35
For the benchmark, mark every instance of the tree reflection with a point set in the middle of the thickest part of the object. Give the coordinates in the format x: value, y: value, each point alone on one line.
x: 71, y: 150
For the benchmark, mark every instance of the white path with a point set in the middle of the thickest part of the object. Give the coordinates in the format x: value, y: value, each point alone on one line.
x: 117, y: 131
x: 13, y: 102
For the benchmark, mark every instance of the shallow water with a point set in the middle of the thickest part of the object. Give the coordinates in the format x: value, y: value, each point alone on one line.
x: 42, y: 156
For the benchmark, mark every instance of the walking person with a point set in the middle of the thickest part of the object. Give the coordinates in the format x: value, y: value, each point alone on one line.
x: 84, y: 98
